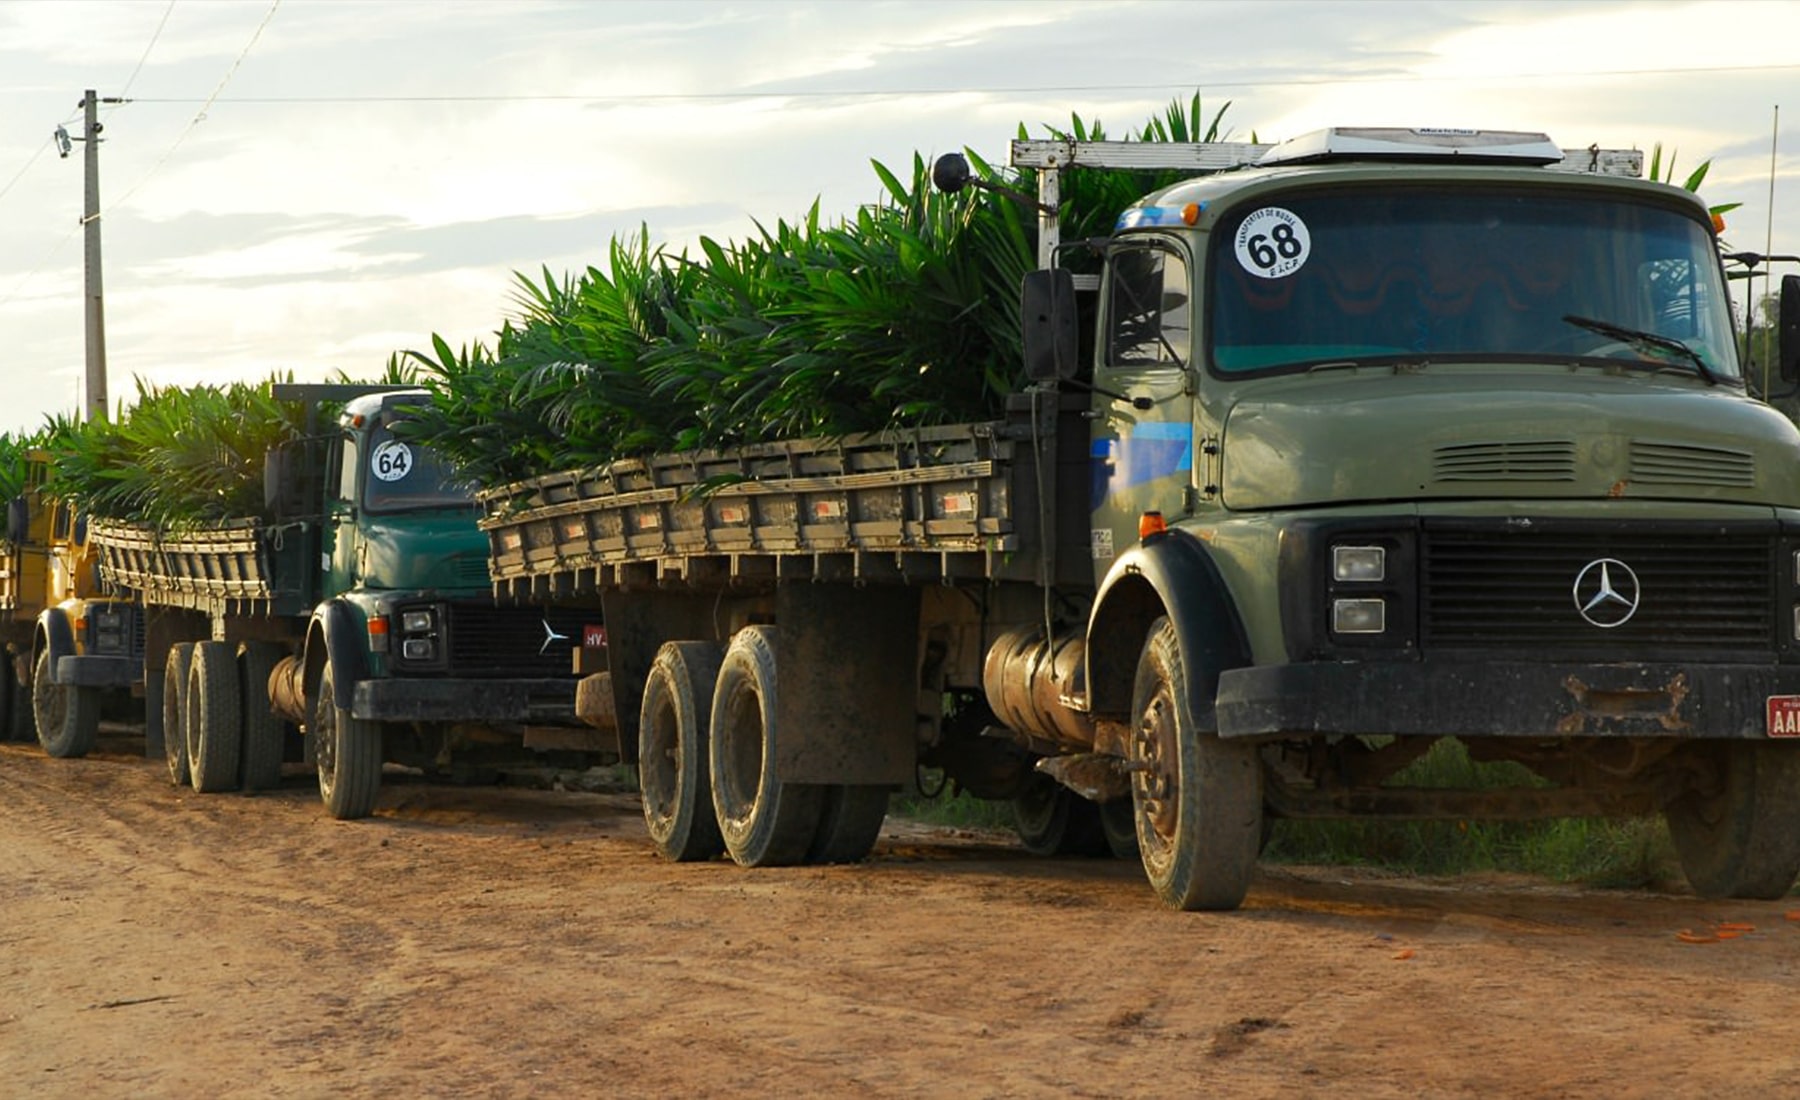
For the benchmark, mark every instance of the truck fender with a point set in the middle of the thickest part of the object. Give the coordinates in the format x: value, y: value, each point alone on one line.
x: 1168, y: 574
x: 336, y: 635
x: 56, y: 633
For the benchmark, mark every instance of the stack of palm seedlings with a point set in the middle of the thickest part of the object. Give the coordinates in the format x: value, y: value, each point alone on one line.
x: 903, y: 314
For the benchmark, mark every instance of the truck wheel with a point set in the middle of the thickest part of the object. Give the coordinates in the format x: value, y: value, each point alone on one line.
x: 850, y: 817
x: 765, y: 822
x: 264, y: 731
x: 214, y: 724
x: 174, y: 710
x: 68, y: 717
x: 13, y: 699
x: 349, y: 754
x: 1740, y: 837
x: 673, y: 774
x: 153, y: 718
x: 1052, y: 820
x: 1118, y: 820
x: 1197, y: 798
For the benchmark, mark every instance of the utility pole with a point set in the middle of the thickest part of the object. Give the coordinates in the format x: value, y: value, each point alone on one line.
x: 95, y: 395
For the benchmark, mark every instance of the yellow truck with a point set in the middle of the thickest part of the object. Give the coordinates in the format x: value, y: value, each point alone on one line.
x: 73, y: 649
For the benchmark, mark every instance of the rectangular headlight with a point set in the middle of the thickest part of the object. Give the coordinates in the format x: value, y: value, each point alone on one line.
x: 1358, y: 563
x: 415, y: 622
x: 1359, y: 616
x: 417, y: 649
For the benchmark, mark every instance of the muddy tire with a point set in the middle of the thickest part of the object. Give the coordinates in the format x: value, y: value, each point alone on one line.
x: 174, y: 711
x: 153, y: 718
x: 1197, y: 799
x: 850, y: 817
x: 349, y: 755
x: 264, y: 731
x: 1052, y: 820
x: 1739, y: 835
x: 214, y: 722
x: 1118, y: 821
x: 68, y: 717
x: 13, y: 699
x: 674, y: 775
x: 764, y: 821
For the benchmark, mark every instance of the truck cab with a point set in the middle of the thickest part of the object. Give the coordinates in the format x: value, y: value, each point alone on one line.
x: 74, y: 647
x: 1399, y: 435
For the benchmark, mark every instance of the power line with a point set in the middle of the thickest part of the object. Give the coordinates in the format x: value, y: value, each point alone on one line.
x: 200, y: 115
x: 677, y: 97
x: 154, y: 35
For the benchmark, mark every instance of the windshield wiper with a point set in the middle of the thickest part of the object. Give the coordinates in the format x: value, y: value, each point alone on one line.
x: 1649, y: 342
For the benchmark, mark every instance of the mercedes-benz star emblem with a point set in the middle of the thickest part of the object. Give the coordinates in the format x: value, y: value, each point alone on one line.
x: 550, y: 637
x: 1606, y: 592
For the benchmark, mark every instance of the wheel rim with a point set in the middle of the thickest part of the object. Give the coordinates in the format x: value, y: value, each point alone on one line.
x: 48, y: 699
x: 659, y: 761
x: 325, y: 740
x: 742, y: 732
x: 1156, y: 780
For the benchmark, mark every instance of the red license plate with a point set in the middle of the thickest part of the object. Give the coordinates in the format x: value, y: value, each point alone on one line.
x: 1784, y: 716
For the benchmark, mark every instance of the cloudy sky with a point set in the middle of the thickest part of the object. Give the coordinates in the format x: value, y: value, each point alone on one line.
x: 310, y: 185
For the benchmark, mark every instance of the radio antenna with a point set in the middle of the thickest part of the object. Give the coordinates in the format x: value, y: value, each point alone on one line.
x: 1769, y: 238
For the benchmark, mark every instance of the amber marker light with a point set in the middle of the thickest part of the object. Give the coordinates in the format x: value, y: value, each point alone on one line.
x: 1151, y: 523
x: 378, y: 634
x: 1190, y: 213
x: 1718, y: 223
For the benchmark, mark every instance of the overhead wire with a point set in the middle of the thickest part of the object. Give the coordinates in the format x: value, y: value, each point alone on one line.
x: 199, y: 117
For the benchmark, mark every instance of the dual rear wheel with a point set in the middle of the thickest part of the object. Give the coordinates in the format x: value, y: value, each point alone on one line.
x: 706, y: 765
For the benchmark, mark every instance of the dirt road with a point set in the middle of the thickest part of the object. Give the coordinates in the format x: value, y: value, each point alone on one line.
x: 505, y: 942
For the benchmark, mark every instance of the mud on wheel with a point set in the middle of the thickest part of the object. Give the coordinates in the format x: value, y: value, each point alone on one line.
x: 68, y: 717
x: 1737, y: 829
x: 214, y: 723
x: 174, y: 711
x: 673, y: 773
x: 349, y: 755
x: 1197, y: 798
x: 764, y: 821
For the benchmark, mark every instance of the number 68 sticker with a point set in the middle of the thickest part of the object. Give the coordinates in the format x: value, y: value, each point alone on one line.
x: 391, y: 461
x: 1273, y: 243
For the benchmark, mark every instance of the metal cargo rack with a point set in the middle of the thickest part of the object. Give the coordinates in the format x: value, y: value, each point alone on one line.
x: 220, y: 568
x: 930, y: 504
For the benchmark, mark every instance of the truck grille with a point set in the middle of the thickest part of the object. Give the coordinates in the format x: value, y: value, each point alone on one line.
x: 514, y: 641
x: 1703, y: 589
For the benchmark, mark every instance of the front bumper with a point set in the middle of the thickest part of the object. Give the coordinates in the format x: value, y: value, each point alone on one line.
x: 89, y: 670
x: 1506, y: 699
x: 485, y: 701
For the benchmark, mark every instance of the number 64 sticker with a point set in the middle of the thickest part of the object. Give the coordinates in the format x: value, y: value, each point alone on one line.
x: 1273, y: 243
x: 391, y: 461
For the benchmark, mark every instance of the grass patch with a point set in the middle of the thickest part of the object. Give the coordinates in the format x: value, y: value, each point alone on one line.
x: 1629, y: 852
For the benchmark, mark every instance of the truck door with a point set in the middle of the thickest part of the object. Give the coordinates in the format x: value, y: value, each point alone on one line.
x: 1142, y: 453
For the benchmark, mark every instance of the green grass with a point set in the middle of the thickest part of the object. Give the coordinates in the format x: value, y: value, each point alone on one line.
x: 1603, y: 852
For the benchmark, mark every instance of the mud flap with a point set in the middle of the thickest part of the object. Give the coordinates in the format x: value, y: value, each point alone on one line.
x: 846, y: 683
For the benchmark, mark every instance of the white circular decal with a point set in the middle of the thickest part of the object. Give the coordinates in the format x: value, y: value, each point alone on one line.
x: 1273, y: 243
x: 391, y: 461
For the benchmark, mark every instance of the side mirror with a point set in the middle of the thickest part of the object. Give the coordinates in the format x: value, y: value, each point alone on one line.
x: 1787, y: 331
x: 1047, y: 323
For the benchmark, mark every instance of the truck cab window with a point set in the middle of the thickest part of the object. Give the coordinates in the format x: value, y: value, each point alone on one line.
x: 1148, y: 315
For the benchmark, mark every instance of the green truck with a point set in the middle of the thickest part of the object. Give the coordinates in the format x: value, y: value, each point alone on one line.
x: 1352, y: 443
x: 355, y: 628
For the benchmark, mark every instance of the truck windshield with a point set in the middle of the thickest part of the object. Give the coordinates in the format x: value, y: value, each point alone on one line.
x: 1354, y: 276
x: 402, y: 476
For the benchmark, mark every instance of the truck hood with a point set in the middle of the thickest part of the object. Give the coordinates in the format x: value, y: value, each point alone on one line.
x: 425, y: 550
x: 1298, y: 441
